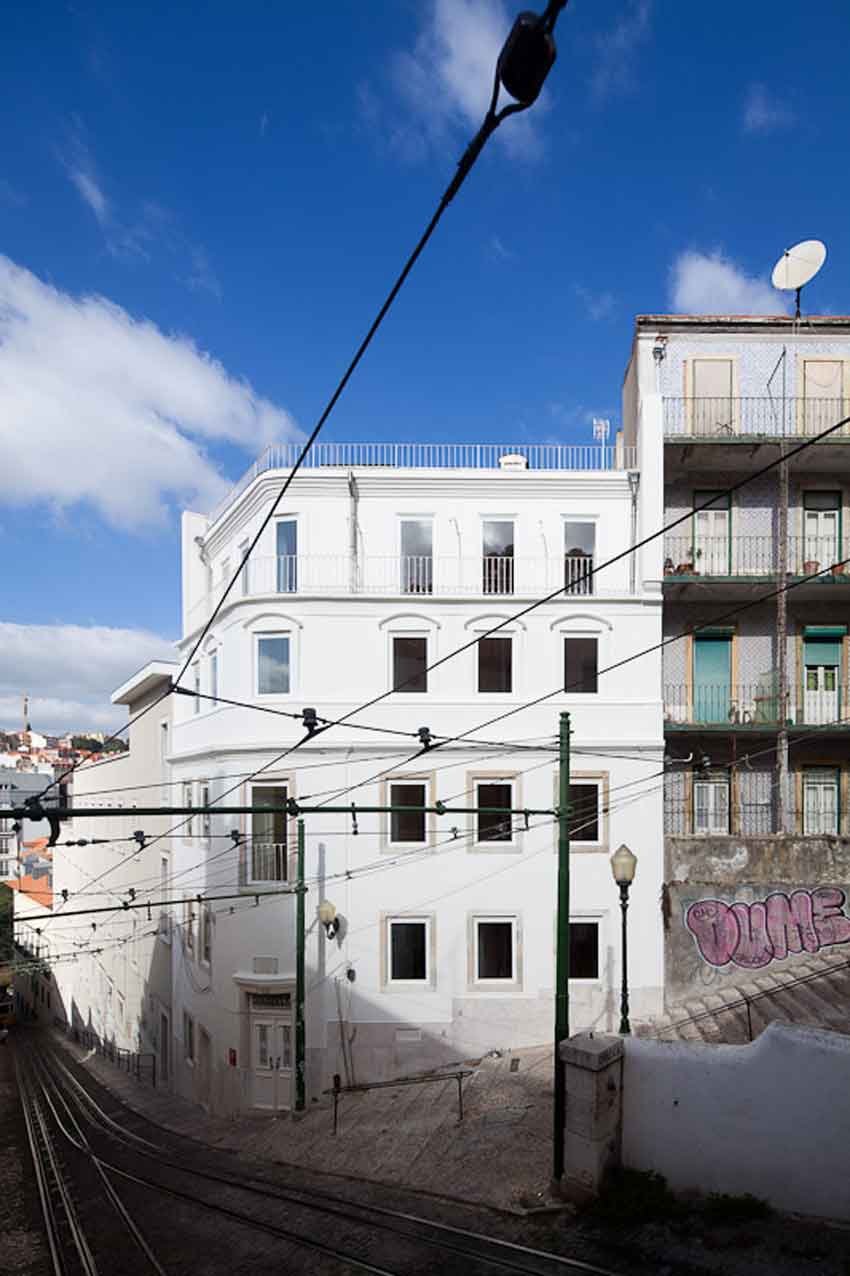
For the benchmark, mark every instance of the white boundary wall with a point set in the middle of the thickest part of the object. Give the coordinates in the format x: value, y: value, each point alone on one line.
x: 771, y: 1118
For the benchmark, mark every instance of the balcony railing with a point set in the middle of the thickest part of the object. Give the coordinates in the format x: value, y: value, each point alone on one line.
x: 268, y: 862
x: 720, y: 418
x: 715, y: 556
x: 393, y: 575
x: 434, y: 456
x: 684, y: 817
x: 755, y: 705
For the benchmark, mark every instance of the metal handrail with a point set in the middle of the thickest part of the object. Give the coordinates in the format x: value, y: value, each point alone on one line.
x: 337, y: 1089
x: 748, y: 999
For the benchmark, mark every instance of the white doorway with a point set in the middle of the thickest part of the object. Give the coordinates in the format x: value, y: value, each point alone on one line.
x: 164, y: 1048
x: 271, y: 1062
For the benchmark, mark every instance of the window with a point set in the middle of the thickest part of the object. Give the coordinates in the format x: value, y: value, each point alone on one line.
x: 495, y: 949
x: 206, y: 923
x: 494, y: 822
x: 163, y: 759
x: 820, y: 800
x: 196, y: 684
x: 4, y: 869
x: 712, y: 408
x: 711, y: 803
x: 417, y: 556
x: 164, y: 916
x: 214, y: 674
x: 821, y: 530
x: 584, y: 821
x: 579, y: 543
x: 584, y: 950
x: 498, y: 557
x: 206, y: 816
x: 188, y: 1038
x: 189, y: 826
x: 273, y: 665
x: 408, y: 950
x: 495, y: 665
x: 242, y: 551
x: 410, y: 664
x: 287, y: 556
x: 407, y: 826
x: 268, y: 833
x: 580, y: 665
x: 189, y: 924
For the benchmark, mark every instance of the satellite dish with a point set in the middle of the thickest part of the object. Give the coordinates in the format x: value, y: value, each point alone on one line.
x: 797, y: 266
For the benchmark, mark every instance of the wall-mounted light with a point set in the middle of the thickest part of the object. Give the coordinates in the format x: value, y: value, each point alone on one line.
x: 328, y: 918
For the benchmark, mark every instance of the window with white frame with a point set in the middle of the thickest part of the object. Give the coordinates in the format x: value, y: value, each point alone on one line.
x: 821, y: 788
x: 273, y: 664
x: 711, y: 802
x: 164, y: 881
x: 267, y: 854
x: 579, y: 544
x: 188, y: 801
x: 205, y: 920
x: 581, y: 663
x: 586, y: 817
x: 494, y: 799
x: 196, y: 686
x: 4, y: 869
x: 287, y: 555
x: 417, y: 556
x: 410, y: 664
x: 163, y: 758
x: 188, y: 1038
x: 407, y: 820
x: 213, y: 678
x: 408, y: 944
x: 244, y: 584
x: 494, y: 942
x: 584, y: 949
x: 189, y: 924
x: 206, y: 815
x: 495, y: 664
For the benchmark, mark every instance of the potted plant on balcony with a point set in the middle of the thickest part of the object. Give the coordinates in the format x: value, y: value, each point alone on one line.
x: 811, y: 567
x: 669, y: 567
x: 838, y: 569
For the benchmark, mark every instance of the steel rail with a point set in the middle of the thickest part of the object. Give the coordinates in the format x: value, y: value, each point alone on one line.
x: 502, y: 1253
x: 53, y: 1190
x: 80, y: 1142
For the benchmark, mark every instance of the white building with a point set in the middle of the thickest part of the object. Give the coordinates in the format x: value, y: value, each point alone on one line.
x: 380, y: 562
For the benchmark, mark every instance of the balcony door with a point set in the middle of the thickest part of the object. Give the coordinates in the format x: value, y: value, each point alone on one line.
x: 823, y: 394
x: 712, y: 543
x: 712, y: 405
x: 579, y: 542
x: 822, y: 660
x: 417, y: 556
x: 820, y: 800
x: 821, y: 528
x: 287, y: 556
x: 498, y: 556
x: 712, y: 678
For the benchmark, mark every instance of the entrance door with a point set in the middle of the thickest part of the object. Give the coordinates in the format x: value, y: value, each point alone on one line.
x: 204, y: 1068
x: 712, y: 679
x: 164, y: 1044
x: 271, y: 1063
x: 712, y: 537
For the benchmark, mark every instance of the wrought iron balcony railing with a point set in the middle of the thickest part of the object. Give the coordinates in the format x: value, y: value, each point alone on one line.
x: 726, y: 417
x: 721, y: 704
x: 717, y: 556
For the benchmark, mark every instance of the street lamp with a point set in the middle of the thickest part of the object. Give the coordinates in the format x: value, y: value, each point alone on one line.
x: 623, y: 865
x: 328, y: 918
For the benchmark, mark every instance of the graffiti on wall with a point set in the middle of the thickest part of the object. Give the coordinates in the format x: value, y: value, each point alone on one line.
x: 753, y: 935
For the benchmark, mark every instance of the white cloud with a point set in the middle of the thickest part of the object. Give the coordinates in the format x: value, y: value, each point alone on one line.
x: 101, y: 408
x: 202, y: 277
x: 764, y: 113
x: 69, y: 672
x: 82, y: 173
x: 598, y: 305
x: 90, y: 193
x: 708, y: 283
x: 447, y: 80
x: 616, y: 50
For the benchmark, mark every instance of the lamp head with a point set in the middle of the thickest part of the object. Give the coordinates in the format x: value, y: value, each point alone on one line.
x: 526, y: 58
x: 623, y: 866
x: 327, y: 916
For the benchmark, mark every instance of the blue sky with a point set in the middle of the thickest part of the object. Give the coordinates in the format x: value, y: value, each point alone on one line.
x: 199, y: 213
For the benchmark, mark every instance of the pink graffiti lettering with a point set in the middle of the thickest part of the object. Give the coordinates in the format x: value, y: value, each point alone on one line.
x: 754, y: 948
x: 753, y: 935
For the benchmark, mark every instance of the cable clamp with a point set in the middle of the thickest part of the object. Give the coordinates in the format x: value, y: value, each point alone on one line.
x: 354, y: 828
x: 292, y: 807
x: 425, y: 738
x: 440, y: 808
x: 527, y: 825
x: 139, y: 836
x: 237, y: 836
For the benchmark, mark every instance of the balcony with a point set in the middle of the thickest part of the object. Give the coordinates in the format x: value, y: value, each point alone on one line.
x: 752, y: 707
x: 761, y: 417
x: 268, y: 862
x: 594, y: 457
x: 733, y: 557
x: 502, y: 576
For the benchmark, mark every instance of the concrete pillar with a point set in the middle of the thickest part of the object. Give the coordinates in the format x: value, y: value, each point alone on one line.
x: 593, y: 1123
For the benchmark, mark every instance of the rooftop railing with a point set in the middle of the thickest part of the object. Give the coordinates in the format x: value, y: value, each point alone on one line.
x: 435, y: 456
x: 720, y: 418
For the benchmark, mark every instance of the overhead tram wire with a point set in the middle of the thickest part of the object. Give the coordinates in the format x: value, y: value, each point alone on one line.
x: 491, y: 122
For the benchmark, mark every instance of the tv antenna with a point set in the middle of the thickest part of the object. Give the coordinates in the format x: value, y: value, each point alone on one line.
x: 797, y: 266
x: 601, y: 430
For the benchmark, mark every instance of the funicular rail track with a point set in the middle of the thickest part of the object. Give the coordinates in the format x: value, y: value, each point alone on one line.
x: 379, y: 1240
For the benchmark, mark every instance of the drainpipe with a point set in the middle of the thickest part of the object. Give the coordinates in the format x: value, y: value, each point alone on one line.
x: 353, y: 532
x: 634, y: 484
